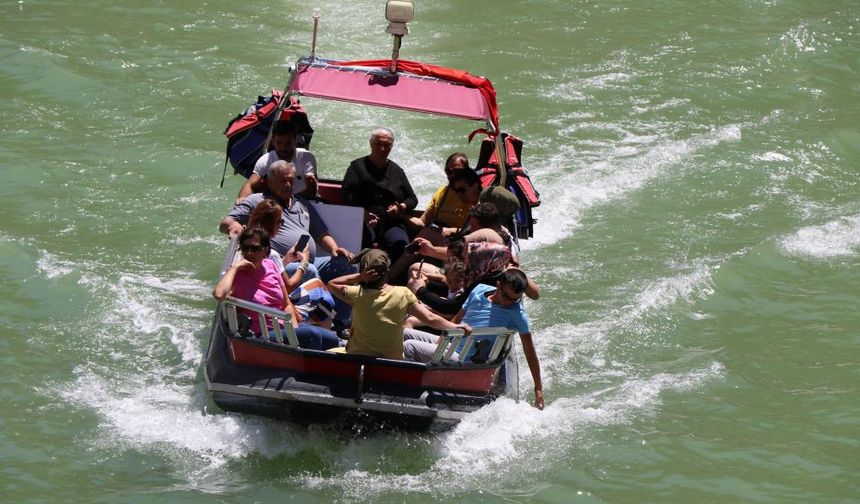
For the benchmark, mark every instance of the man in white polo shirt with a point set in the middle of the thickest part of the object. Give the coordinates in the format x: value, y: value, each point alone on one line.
x: 284, y: 149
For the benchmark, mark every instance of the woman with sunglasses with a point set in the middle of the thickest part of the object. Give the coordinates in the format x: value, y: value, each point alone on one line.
x: 256, y: 278
x: 449, y: 205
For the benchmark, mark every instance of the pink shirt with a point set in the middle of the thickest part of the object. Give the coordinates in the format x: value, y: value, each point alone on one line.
x: 264, y: 286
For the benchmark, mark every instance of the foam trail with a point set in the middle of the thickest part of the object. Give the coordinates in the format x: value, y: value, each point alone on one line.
x: 476, y: 456
x: 159, y: 418
x: 580, y: 351
x: 667, y: 291
x: 52, y: 266
x: 837, y: 238
x: 601, y: 182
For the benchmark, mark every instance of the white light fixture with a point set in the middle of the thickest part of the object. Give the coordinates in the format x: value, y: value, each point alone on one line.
x: 398, y: 13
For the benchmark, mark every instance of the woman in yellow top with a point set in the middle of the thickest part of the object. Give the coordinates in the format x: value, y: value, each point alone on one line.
x: 448, y: 207
x: 378, y: 311
x: 446, y: 213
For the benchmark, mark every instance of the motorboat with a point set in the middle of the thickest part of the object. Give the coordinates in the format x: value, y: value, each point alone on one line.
x: 276, y: 378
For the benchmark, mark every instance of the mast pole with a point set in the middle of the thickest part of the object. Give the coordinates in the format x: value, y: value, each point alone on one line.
x: 314, y: 40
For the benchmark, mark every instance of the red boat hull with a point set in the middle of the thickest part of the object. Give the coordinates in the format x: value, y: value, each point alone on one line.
x: 386, y: 371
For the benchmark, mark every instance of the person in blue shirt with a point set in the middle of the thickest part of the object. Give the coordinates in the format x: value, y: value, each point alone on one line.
x: 502, y: 306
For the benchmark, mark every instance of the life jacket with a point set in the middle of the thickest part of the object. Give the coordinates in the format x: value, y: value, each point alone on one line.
x: 246, y: 133
x: 517, y: 181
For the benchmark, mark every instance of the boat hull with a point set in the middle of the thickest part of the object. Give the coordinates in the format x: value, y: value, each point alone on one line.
x: 257, y: 377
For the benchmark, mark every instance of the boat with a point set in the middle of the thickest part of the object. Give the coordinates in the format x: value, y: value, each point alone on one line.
x: 248, y: 374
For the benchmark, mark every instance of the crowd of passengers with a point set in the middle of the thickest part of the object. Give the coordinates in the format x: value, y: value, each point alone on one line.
x: 454, y: 266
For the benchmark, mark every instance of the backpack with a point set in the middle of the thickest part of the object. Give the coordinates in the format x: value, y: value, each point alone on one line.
x: 246, y: 133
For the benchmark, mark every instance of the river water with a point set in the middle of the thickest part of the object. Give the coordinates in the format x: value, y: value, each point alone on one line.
x: 698, y: 246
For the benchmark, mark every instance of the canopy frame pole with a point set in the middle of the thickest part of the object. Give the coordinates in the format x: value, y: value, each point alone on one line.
x: 314, y: 40
x: 285, y: 98
x: 395, y: 52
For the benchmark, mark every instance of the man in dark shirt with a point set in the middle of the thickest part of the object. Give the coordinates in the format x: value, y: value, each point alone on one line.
x: 380, y: 186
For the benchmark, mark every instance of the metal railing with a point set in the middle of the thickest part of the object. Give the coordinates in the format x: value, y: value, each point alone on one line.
x: 499, y: 339
x: 280, y: 321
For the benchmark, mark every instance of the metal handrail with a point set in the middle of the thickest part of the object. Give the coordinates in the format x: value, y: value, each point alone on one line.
x: 229, y: 255
x: 285, y: 335
x: 449, y: 341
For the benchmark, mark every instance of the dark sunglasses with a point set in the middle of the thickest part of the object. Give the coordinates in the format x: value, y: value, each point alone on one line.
x: 509, y: 298
x: 460, y: 190
x: 251, y: 248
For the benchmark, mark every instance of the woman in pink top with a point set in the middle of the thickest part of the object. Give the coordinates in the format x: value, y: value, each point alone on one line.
x: 257, y: 278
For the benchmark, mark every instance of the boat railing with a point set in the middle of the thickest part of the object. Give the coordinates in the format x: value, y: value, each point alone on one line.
x: 456, y: 345
x: 229, y: 254
x: 480, y: 346
x: 279, y: 320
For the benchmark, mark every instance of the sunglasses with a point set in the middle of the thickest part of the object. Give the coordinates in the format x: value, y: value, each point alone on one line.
x: 460, y: 190
x: 251, y: 247
x: 509, y: 298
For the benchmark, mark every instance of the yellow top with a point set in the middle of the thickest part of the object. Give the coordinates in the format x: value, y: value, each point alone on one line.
x: 377, y: 320
x: 451, y: 213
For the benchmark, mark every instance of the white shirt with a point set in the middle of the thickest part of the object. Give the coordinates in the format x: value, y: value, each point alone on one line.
x: 306, y: 164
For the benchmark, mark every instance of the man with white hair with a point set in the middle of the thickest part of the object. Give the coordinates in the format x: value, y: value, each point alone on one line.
x: 380, y: 186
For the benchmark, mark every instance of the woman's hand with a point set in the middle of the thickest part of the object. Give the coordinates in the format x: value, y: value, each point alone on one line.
x: 244, y: 264
x: 368, y: 275
x: 294, y: 256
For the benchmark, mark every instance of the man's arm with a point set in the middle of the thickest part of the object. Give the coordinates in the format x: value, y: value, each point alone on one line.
x: 306, y: 165
x: 256, y: 182
x: 429, y: 318
x: 351, y: 184
x: 330, y: 244
x: 251, y: 185
x: 230, y: 227
x: 534, y: 366
x: 232, y: 224
x: 426, y: 248
x: 533, y: 290
x: 409, y: 197
x: 484, y: 235
x: 311, y: 187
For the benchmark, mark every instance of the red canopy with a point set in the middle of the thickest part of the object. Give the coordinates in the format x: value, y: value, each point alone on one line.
x: 416, y: 86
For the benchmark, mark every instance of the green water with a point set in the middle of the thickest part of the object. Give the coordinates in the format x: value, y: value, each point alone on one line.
x: 698, y: 246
